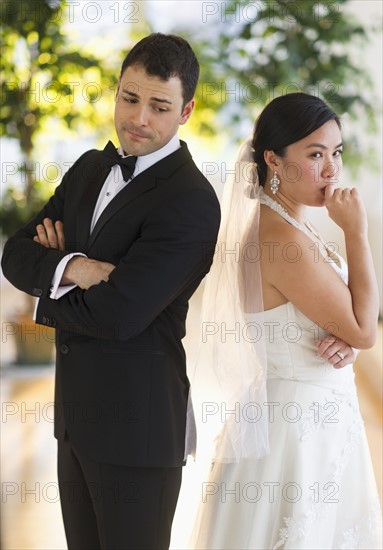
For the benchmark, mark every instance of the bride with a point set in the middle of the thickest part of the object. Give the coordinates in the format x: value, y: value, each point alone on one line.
x: 292, y: 467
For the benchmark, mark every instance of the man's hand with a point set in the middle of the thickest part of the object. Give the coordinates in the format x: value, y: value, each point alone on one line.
x: 49, y: 235
x: 81, y: 271
x: 85, y: 272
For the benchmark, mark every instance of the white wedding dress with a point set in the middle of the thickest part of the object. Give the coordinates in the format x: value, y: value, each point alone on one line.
x: 316, y: 489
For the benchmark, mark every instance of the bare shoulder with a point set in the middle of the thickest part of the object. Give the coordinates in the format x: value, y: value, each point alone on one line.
x: 294, y: 268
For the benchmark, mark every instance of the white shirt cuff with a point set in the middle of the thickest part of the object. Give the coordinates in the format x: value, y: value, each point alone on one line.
x: 58, y: 291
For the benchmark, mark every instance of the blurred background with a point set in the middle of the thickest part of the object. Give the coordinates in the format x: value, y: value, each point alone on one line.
x: 59, y: 69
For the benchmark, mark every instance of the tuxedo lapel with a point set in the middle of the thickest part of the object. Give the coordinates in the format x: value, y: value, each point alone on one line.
x: 139, y: 185
x: 88, y: 203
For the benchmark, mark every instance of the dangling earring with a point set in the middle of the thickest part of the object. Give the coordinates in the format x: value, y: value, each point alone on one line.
x: 274, y: 182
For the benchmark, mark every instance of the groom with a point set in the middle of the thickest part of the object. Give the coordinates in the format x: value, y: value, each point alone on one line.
x: 114, y: 257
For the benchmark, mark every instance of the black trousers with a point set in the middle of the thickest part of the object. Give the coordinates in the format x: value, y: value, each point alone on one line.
x: 113, y: 507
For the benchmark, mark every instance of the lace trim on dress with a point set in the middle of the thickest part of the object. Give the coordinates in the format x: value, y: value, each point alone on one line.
x: 319, y: 417
x: 365, y: 532
x: 296, y: 529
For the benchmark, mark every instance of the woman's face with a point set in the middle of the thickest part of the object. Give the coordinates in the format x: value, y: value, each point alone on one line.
x: 311, y: 164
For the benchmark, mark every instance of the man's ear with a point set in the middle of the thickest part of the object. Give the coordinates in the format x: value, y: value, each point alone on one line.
x: 187, y: 111
x: 118, y: 87
x: 271, y: 159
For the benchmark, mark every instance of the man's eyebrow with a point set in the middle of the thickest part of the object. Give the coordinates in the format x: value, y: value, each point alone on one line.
x: 128, y: 92
x: 156, y: 99
x: 321, y: 146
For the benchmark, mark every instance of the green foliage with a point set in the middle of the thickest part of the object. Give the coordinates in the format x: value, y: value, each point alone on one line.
x: 16, y: 210
x: 45, y: 77
x: 259, y: 50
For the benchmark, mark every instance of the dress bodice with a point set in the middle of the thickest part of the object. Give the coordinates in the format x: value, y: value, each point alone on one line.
x: 292, y: 352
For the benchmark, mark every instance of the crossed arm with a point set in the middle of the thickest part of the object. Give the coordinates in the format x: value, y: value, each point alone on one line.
x: 331, y: 346
x: 81, y: 271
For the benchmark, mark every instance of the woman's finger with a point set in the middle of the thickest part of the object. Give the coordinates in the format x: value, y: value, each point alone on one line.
x: 325, y: 344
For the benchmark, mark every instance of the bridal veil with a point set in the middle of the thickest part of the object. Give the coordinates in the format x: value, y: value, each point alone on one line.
x: 231, y: 368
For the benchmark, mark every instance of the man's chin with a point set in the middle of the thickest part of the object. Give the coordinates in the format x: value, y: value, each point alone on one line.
x: 137, y: 149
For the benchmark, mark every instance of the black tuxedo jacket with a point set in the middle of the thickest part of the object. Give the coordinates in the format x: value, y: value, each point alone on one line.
x: 121, y: 383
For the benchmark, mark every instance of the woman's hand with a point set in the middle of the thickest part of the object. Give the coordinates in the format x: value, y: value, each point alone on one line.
x: 336, y: 351
x: 346, y: 209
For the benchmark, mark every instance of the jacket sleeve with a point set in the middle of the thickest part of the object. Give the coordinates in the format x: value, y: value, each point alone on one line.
x: 28, y: 265
x: 175, y: 250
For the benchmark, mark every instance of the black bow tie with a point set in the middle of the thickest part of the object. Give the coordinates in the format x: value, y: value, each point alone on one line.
x: 112, y: 158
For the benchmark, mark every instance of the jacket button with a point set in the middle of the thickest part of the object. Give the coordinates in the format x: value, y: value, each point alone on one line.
x: 37, y: 292
x: 45, y: 320
x: 64, y: 349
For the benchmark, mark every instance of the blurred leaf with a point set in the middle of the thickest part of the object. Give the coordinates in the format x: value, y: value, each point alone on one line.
x: 43, y: 77
x: 289, y: 46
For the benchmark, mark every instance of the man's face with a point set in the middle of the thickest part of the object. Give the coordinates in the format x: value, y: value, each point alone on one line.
x: 148, y: 111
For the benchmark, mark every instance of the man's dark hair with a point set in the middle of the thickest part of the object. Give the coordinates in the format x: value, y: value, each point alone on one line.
x: 165, y: 56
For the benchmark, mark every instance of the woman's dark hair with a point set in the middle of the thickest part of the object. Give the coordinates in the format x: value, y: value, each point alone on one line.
x: 286, y: 120
x: 165, y: 56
